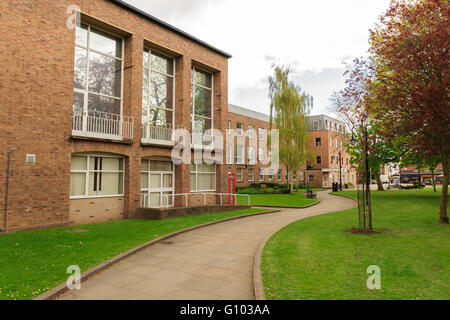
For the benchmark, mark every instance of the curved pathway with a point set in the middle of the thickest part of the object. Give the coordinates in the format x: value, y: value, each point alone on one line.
x: 211, y: 263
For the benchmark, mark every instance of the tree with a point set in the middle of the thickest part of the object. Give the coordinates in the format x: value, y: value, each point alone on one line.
x: 288, y: 109
x: 410, y: 47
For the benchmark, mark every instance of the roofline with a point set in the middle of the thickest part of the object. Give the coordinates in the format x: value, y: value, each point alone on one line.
x: 168, y: 26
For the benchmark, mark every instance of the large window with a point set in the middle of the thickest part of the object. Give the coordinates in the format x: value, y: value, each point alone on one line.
x: 96, y: 176
x: 97, y: 73
x: 251, y: 132
x: 203, y: 177
x: 240, y: 156
x: 158, y: 90
x: 201, y: 103
x: 229, y: 153
x: 261, y: 154
x: 251, y: 156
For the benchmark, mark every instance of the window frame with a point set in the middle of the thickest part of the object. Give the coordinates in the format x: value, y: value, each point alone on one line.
x: 87, y: 173
x: 317, y: 158
x: 86, y: 92
x: 240, y: 160
x: 251, y: 175
x: 202, y: 172
x: 240, y: 176
x: 261, y: 174
x: 193, y: 86
x: 163, y: 74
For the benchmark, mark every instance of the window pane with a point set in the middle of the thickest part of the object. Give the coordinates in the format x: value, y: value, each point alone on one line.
x: 112, y: 164
x: 165, y: 166
x: 193, y: 182
x: 144, y: 180
x: 78, y: 103
x: 161, y: 63
x: 167, y: 200
x: 155, y: 199
x: 206, y: 168
x: 79, y: 163
x: 105, y: 43
x: 202, y: 102
x: 155, y: 181
x: 77, y: 184
x: 81, y: 35
x: 111, y: 184
x: 104, y: 74
x: 202, y: 124
x: 206, y: 181
x: 161, y: 91
x: 146, y: 59
x: 167, y: 181
x: 80, y: 68
x: 144, y: 165
x: 145, y: 87
x: 203, y: 78
x: 103, y: 104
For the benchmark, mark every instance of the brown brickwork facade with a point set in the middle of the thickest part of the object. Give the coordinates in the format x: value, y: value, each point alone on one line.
x: 36, y: 99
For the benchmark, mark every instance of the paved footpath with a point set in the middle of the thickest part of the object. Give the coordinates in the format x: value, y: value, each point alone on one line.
x: 210, y: 263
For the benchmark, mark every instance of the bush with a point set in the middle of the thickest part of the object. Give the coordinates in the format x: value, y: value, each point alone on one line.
x: 303, y: 186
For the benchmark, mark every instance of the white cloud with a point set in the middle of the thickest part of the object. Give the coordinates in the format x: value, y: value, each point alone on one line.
x: 314, y: 37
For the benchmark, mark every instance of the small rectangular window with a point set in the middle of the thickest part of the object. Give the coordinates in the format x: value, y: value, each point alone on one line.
x: 251, y: 175
x: 261, y: 174
x: 318, y: 142
x: 240, y: 175
x: 318, y: 159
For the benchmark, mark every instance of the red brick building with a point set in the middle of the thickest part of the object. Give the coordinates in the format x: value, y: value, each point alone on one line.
x: 90, y: 111
x: 88, y: 106
x: 327, y: 142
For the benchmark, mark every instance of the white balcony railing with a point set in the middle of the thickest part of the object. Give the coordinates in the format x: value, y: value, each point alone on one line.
x: 102, y: 125
x: 158, y: 134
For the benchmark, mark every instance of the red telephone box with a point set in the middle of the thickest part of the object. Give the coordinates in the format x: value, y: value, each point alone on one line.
x: 231, y: 189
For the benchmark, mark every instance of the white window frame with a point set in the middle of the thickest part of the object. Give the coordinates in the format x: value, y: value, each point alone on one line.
x: 294, y: 175
x: 240, y: 159
x: 261, y: 134
x: 150, y: 70
x: 251, y: 132
x: 271, y: 174
x: 240, y: 176
x: 230, y: 153
x: 251, y: 175
x: 316, y: 128
x: 261, y: 152
x: 261, y: 174
x: 161, y: 190
x: 239, y: 131
x: 86, y: 92
x: 319, y: 156
x: 280, y: 175
x: 251, y: 156
x: 196, y: 172
x: 87, y: 172
x: 193, y: 85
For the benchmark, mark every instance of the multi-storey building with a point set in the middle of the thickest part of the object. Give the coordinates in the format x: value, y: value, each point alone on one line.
x: 248, y: 159
x: 92, y: 97
x: 88, y: 104
x: 327, y: 138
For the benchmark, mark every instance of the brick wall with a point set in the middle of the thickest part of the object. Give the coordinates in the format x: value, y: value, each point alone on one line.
x: 36, y: 93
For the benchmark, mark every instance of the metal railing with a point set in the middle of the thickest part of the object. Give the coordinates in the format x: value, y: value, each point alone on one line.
x: 99, y: 124
x: 153, y: 133
x: 168, y: 200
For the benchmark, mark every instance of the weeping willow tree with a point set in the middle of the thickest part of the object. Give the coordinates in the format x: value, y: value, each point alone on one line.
x: 288, y: 113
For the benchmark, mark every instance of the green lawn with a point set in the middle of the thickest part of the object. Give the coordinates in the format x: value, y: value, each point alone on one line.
x: 33, y: 262
x: 297, y: 199
x: 315, y: 259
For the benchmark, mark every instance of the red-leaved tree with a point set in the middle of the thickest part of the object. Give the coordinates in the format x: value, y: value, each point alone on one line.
x: 410, y: 46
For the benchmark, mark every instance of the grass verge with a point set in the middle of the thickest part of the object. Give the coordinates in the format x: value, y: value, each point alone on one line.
x: 297, y: 199
x: 315, y: 259
x: 33, y: 262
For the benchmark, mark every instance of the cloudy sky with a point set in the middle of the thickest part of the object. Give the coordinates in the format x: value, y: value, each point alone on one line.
x: 313, y: 37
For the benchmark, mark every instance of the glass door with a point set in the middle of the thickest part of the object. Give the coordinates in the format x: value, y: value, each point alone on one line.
x: 157, y: 184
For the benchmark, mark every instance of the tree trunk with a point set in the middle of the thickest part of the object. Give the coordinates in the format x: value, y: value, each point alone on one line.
x: 290, y: 183
x: 379, y: 183
x: 444, y: 198
x: 433, y: 180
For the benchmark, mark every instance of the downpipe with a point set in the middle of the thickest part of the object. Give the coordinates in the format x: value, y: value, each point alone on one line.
x: 7, y: 190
